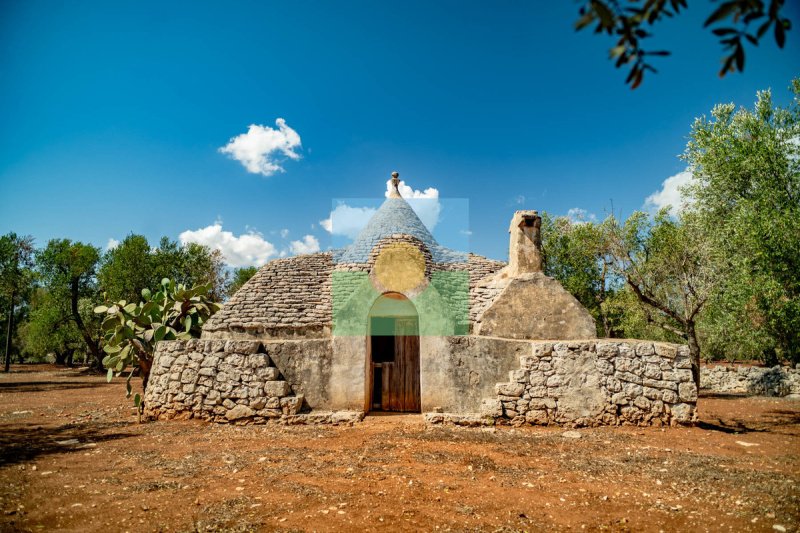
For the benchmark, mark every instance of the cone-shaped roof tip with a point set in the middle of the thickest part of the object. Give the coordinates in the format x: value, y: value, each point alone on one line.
x: 395, y: 192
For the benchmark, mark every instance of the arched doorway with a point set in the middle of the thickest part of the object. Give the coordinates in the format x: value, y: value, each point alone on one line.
x: 393, y: 355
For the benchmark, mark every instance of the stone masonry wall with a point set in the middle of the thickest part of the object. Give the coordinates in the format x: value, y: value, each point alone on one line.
x: 222, y: 381
x: 592, y: 383
x: 752, y: 380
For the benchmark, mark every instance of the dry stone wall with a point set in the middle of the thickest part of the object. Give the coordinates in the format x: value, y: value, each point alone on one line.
x: 224, y: 381
x: 751, y: 380
x: 592, y: 383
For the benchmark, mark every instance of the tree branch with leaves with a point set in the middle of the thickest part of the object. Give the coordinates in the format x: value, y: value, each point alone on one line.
x: 734, y: 22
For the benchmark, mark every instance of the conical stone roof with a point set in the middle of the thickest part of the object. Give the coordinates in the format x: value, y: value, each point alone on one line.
x: 394, y: 217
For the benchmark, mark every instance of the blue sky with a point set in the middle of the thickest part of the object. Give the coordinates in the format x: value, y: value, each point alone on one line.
x: 112, y: 114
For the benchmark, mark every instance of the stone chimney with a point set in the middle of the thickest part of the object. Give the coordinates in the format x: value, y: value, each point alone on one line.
x: 525, y: 243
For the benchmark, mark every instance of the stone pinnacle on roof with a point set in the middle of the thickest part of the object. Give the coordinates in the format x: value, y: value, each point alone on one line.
x: 395, y: 192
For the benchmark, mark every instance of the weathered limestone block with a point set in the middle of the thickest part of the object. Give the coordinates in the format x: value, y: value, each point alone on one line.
x: 209, y: 361
x: 671, y: 384
x: 628, y: 377
x: 273, y: 403
x: 188, y: 376
x: 651, y: 393
x: 510, y: 389
x: 492, y: 408
x: 628, y: 364
x: 666, y: 350
x: 604, y: 366
x: 607, y: 349
x: 291, y: 405
x: 652, y: 371
x: 536, y: 416
x: 682, y: 412
x: 542, y: 403
x: 554, y: 380
x: 276, y: 388
x: 645, y: 348
x: 258, y: 403
x: 537, y: 392
x: 687, y: 392
x: 268, y: 373
x: 520, y: 376
x: 238, y: 412
x: 669, y: 396
x: 241, y: 347
x: 542, y: 349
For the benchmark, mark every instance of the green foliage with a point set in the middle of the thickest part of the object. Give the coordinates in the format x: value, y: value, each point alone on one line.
x: 16, y: 263
x: 737, y: 21
x: 746, y: 194
x: 631, y: 319
x: 672, y: 268
x: 67, y: 270
x: 578, y: 254
x: 63, y: 263
x: 49, y: 328
x: 126, y: 269
x: 16, y: 279
x: 240, y: 277
x: 133, y: 329
x: 134, y: 265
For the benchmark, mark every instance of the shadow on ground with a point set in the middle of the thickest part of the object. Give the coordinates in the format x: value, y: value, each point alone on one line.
x: 44, y: 386
x: 20, y: 444
x: 775, y: 421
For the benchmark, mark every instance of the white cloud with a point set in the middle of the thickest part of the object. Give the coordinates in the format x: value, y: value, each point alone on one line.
x: 111, y: 244
x: 347, y: 220
x: 284, y: 233
x: 308, y: 245
x: 424, y: 203
x: 576, y: 214
x: 520, y: 199
x: 257, y: 149
x: 249, y: 249
x: 670, y: 194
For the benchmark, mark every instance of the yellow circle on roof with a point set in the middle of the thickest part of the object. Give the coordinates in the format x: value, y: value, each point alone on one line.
x: 400, y: 267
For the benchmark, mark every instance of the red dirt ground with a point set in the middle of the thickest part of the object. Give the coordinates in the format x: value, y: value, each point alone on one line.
x: 74, y: 458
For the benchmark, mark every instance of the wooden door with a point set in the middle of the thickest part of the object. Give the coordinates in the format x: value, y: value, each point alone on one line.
x: 407, y: 348
x: 400, y: 377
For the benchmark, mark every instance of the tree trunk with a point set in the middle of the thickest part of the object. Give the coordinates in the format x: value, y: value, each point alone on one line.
x: 90, y: 342
x: 694, y: 351
x: 9, y: 331
x: 606, y: 325
x: 144, y: 368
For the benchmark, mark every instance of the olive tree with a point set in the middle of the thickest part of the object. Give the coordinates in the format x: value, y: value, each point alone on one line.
x: 68, y: 271
x: 745, y: 194
x: 673, y: 269
x: 16, y: 260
